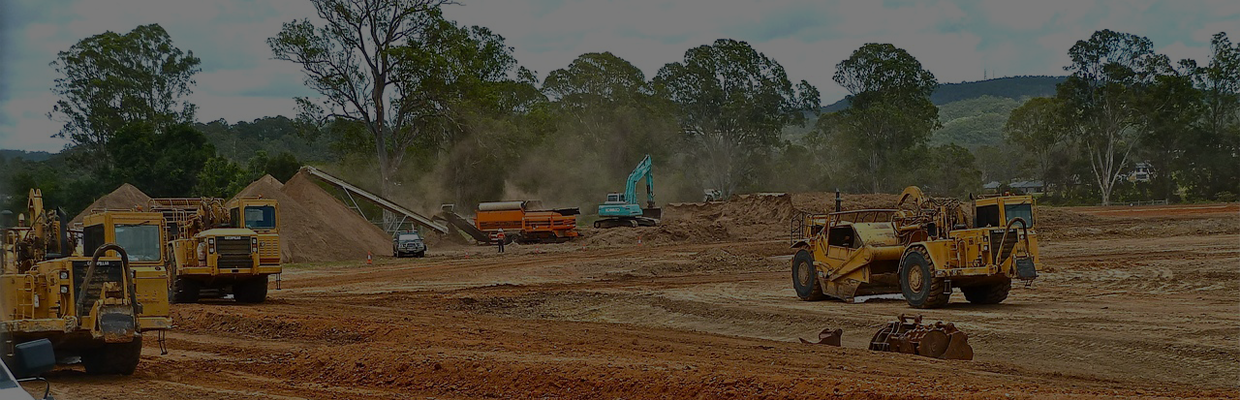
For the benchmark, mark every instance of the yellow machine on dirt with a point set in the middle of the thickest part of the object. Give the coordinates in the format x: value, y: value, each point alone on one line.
x: 97, y: 308
x: 213, y: 251
x: 923, y: 248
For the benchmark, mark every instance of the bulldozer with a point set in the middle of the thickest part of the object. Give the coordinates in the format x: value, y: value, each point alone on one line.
x: 217, y: 248
x: 923, y: 248
x: 97, y: 308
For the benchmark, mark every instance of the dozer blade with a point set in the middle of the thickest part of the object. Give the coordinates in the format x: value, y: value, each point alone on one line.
x: 828, y: 336
x: 116, y: 324
x: 910, y: 336
x: 933, y: 344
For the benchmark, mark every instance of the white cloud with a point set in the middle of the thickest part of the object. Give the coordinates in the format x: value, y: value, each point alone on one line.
x: 955, y: 40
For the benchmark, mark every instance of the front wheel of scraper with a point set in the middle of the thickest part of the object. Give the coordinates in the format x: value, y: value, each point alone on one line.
x: 805, y: 277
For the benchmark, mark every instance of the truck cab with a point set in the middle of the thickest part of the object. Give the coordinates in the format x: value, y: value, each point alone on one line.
x: 408, y: 243
x: 263, y: 217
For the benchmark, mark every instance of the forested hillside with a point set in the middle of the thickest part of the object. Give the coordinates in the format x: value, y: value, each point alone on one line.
x: 1015, y: 88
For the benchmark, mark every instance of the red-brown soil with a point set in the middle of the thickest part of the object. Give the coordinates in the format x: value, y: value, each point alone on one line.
x: 1124, y: 307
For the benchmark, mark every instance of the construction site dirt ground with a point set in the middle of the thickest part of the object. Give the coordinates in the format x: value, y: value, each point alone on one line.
x: 1145, y: 306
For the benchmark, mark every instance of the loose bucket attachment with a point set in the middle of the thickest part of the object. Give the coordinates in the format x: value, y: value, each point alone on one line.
x: 830, y: 337
x: 909, y: 335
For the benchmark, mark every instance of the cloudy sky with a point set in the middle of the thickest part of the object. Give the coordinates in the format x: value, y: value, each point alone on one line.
x: 956, y: 40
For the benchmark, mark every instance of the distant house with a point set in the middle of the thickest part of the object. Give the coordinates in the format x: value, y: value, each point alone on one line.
x: 1027, y: 187
x: 1016, y: 186
x: 1142, y: 172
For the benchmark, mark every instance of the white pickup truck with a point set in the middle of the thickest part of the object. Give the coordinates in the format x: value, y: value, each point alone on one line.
x: 30, y: 360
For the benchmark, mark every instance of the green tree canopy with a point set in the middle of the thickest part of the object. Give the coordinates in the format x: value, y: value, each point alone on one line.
x: 1039, y: 127
x: 110, y: 80
x: 889, y: 112
x: 1110, y: 73
x: 162, y: 164
x: 351, y: 62
x: 734, y: 101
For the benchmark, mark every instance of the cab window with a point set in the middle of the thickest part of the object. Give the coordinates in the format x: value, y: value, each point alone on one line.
x: 987, y: 216
x: 92, y: 239
x: 1022, y: 211
x: 260, y: 217
x: 141, y: 242
x: 6, y: 380
x: 842, y: 236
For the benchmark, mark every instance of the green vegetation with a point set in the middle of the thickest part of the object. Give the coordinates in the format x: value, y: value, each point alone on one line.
x: 435, y: 112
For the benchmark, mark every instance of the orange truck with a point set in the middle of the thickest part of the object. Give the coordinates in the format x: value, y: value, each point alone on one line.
x: 522, y: 222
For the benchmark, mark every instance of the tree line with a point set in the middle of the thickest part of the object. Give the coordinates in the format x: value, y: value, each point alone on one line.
x: 426, y: 110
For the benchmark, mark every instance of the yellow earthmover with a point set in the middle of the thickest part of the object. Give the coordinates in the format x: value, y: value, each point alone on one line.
x: 923, y: 248
x: 217, y: 248
x: 98, y: 307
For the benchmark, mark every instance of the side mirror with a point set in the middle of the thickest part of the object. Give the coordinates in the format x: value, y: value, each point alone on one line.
x: 33, y: 358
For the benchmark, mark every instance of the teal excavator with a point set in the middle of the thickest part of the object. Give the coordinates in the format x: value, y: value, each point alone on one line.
x: 622, y: 209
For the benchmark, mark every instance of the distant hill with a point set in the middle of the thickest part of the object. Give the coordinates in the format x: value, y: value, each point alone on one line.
x: 1016, y: 87
x: 27, y: 155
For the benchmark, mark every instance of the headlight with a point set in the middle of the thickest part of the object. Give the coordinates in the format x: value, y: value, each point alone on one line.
x: 64, y: 290
x: 64, y: 274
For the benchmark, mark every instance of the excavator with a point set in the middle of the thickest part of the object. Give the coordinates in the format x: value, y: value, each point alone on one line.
x: 622, y: 209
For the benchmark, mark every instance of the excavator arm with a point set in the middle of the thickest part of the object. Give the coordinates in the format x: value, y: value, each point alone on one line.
x: 643, y: 171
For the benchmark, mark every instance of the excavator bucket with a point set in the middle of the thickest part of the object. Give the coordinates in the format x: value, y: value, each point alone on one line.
x: 910, y: 336
x: 830, y: 337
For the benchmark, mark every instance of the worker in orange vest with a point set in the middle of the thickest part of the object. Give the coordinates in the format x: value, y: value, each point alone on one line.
x: 500, y: 236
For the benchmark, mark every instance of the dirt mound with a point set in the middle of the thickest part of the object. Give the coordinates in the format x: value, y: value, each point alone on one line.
x: 337, y: 232
x: 125, y: 197
x: 263, y: 186
x: 759, y: 216
x: 824, y: 202
x: 315, y: 227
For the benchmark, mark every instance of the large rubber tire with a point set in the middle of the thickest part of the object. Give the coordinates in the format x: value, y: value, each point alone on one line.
x: 185, y: 290
x: 113, y: 358
x: 921, y: 288
x: 805, y: 277
x: 253, y: 290
x: 420, y: 254
x: 993, y: 293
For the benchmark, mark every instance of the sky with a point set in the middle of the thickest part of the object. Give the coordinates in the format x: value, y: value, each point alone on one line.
x: 956, y: 40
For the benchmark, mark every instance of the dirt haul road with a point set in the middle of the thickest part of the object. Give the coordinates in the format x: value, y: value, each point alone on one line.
x: 1148, y: 310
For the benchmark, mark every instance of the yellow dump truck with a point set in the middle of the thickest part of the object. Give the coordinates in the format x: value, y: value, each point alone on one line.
x: 212, y: 252
x: 98, y: 308
x: 923, y: 248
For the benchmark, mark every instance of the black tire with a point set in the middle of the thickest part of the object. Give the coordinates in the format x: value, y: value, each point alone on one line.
x: 253, y: 290
x: 993, y: 293
x: 805, y: 277
x: 929, y: 291
x: 185, y: 290
x: 420, y: 254
x: 113, y: 358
